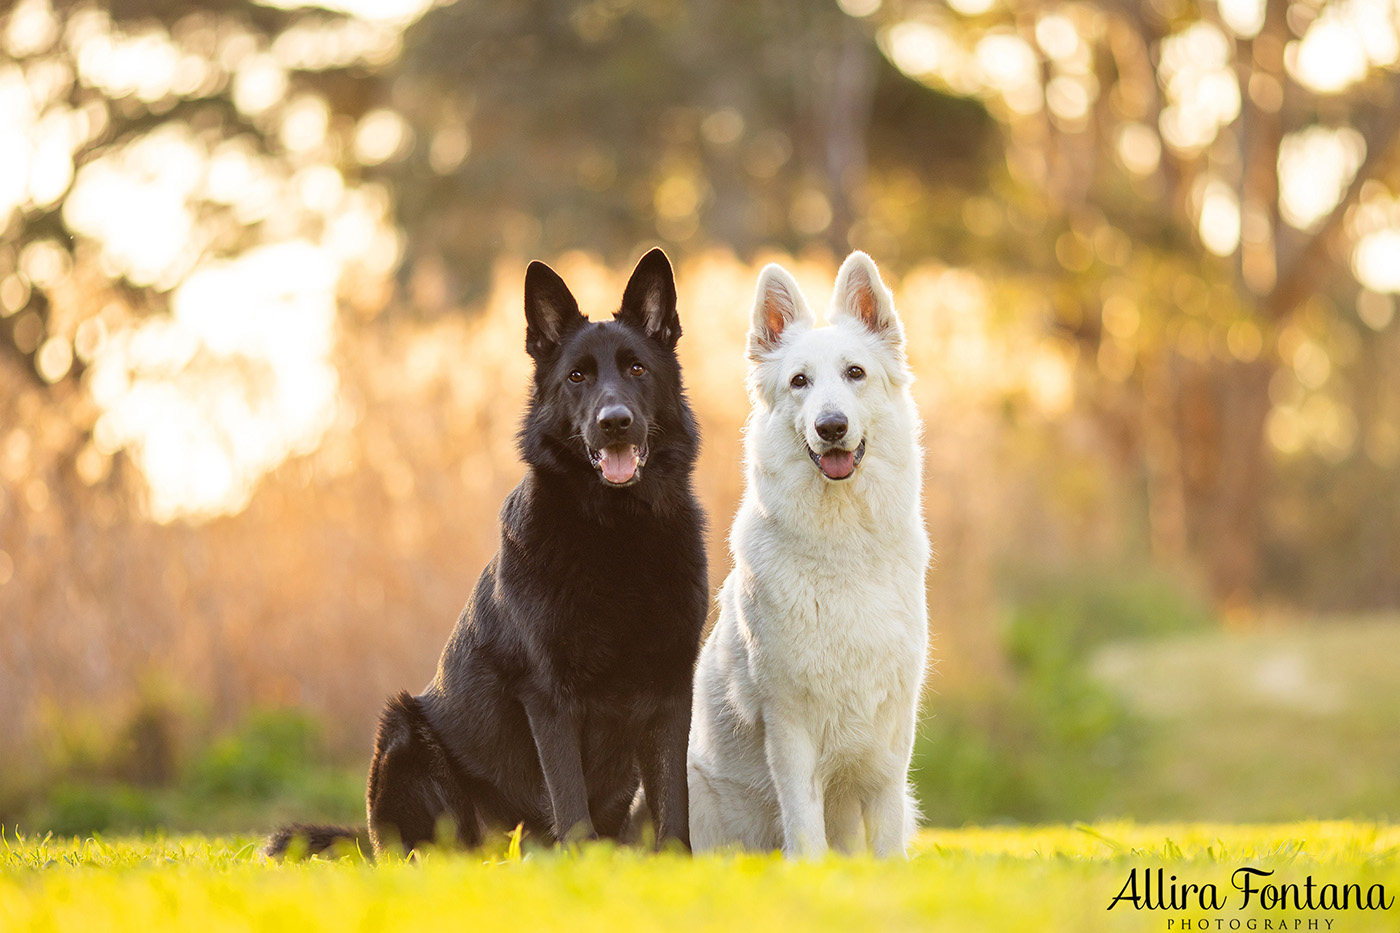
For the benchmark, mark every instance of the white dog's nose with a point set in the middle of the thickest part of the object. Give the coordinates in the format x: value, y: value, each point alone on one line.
x: 832, y: 426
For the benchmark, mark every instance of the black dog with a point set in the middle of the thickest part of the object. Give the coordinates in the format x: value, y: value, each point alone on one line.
x: 567, y: 681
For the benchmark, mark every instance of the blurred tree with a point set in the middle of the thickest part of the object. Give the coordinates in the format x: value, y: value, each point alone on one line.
x: 194, y: 161
x: 180, y: 205
x: 1182, y: 184
x: 547, y: 126
x: 86, y: 83
x: 1213, y: 182
x: 158, y: 141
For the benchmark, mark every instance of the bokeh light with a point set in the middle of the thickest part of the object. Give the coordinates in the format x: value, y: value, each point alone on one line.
x: 1201, y: 87
x: 1220, y: 217
x: 1315, y: 166
x: 1342, y: 43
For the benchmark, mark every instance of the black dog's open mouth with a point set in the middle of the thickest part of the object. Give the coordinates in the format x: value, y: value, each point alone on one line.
x: 837, y: 463
x: 619, y: 464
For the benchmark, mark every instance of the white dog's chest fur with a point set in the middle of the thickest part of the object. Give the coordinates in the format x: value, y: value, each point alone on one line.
x: 832, y: 625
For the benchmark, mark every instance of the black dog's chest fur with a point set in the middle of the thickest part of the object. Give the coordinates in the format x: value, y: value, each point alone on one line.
x: 586, y: 611
x: 607, y: 603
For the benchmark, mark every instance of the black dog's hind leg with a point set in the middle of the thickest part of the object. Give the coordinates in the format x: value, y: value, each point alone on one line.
x: 414, y: 784
x: 662, y: 756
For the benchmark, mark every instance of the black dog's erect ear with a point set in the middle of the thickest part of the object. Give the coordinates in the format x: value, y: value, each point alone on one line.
x: 649, y: 301
x: 550, y: 310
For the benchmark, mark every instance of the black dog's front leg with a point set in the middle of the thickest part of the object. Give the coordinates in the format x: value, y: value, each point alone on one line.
x: 662, y: 757
x: 556, y: 731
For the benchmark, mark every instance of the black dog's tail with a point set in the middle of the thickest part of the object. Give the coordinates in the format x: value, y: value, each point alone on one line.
x: 413, y: 787
x: 304, y: 839
x: 416, y: 794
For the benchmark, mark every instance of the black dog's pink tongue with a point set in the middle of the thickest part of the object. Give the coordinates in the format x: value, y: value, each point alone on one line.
x: 838, y: 464
x: 620, y: 463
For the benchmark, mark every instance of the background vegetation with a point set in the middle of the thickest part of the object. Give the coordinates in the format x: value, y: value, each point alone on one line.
x: 261, y: 367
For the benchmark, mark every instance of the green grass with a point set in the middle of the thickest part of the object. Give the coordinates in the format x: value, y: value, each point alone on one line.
x: 1015, y: 879
x: 1262, y: 725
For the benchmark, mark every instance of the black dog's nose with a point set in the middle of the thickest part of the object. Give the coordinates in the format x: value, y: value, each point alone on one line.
x: 831, y: 427
x: 614, y: 419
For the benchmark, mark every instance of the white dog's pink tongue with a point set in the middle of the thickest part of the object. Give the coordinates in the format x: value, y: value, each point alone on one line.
x: 838, y: 464
x: 620, y: 463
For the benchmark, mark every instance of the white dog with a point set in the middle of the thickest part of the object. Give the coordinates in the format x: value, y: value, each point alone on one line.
x: 806, y: 692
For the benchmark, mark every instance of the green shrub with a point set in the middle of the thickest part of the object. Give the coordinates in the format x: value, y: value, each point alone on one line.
x: 269, y: 752
x: 1058, y: 617
x: 80, y: 808
x: 267, y: 770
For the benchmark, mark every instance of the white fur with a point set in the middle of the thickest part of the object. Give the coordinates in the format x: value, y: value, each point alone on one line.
x: 807, y: 690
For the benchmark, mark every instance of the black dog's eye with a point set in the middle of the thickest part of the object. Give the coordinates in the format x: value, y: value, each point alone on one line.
x: 798, y: 381
x: 855, y: 373
x: 576, y: 376
x: 637, y: 369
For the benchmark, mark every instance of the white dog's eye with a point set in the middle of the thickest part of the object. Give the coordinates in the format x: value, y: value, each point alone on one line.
x: 855, y: 373
x: 798, y: 381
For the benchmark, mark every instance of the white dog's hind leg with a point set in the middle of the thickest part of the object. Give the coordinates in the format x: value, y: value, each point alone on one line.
x: 888, y: 819
x: 706, y: 822
x: 726, y: 815
x: 792, y: 760
x: 843, y: 827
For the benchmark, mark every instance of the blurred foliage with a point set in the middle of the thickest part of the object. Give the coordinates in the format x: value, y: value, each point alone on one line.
x: 1228, y: 166
x: 255, y: 761
x: 1120, y: 696
x: 547, y: 127
x: 1046, y: 741
x: 272, y: 767
x: 1060, y: 615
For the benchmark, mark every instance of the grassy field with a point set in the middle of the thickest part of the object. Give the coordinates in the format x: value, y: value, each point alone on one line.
x: 1262, y: 725
x: 1015, y: 879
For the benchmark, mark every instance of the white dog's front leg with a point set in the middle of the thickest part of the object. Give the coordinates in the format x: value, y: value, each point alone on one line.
x: 792, y: 760
x: 887, y: 819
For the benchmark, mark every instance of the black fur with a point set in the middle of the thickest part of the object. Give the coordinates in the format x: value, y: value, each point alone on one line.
x: 315, y: 838
x: 567, y: 680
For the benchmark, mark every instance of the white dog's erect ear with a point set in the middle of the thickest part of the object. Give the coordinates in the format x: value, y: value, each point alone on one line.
x: 861, y: 294
x: 778, y: 303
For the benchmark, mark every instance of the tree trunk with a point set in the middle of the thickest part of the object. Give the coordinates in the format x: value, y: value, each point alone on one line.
x: 1223, y: 407
x: 851, y: 99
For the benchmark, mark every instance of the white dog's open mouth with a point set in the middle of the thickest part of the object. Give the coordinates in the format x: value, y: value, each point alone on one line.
x: 837, y: 463
x: 620, y: 464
